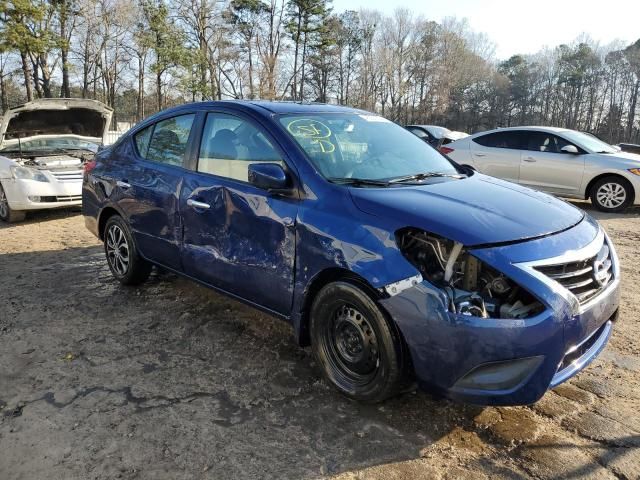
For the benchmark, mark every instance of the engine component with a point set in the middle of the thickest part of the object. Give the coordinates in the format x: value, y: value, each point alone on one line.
x: 471, y: 305
x: 473, y: 287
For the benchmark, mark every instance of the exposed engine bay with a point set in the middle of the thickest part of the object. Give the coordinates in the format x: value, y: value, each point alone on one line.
x: 43, y: 161
x: 472, y: 287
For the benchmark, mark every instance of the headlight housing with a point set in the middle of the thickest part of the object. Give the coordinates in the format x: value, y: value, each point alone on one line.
x: 472, y: 287
x: 26, y: 173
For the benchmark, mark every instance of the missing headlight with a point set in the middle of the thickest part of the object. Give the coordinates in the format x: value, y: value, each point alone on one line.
x: 472, y: 287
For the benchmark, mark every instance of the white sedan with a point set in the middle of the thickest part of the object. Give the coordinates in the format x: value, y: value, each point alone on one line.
x: 43, y: 146
x: 559, y: 161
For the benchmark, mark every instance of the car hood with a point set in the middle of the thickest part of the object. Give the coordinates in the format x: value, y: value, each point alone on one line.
x: 474, y: 211
x: 627, y: 157
x: 83, y: 118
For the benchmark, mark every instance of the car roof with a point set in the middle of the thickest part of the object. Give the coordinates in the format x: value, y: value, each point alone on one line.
x: 531, y: 128
x: 270, y: 106
x: 263, y: 107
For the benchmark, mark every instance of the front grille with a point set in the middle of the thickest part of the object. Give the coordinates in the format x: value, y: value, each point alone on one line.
x: 584, y: 278
x: 67, y: 175
x: 63, y: 198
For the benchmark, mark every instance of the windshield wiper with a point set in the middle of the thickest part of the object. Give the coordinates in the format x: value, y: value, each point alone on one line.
x: 423, y: 176
x: 359, y: 181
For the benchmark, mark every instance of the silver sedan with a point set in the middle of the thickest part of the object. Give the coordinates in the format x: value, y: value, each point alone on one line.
x: 559, y: 161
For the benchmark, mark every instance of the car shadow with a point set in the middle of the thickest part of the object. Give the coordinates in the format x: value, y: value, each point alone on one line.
x: 38, y: 216
x: 170, y: 377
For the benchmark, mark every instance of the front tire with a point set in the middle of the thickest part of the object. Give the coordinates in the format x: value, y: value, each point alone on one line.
x: 7, y: 214
x: 125, y: 263
x: 611, y: 194
x: 359, y: 351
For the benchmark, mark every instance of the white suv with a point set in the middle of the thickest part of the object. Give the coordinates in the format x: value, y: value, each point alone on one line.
x: 563, y: 162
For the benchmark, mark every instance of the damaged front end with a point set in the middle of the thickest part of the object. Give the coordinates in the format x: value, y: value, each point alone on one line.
x: 472, y: 287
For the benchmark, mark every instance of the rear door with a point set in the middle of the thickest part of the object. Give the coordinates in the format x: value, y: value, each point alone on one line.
x: 150, y: 187
x: 545, y: 167
x: 238, y: 237
x: 498, y: 154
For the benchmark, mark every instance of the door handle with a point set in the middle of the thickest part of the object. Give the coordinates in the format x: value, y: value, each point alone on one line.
x: 529, y: 159
x: 123, y: 184
x: 479, y: 154
x: 198, y: 205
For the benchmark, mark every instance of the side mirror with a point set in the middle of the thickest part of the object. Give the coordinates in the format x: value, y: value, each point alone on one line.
x: 569, y: 149
x: 269, y: 176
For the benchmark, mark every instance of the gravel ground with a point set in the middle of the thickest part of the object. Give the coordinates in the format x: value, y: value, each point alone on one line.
x: 171, y: 380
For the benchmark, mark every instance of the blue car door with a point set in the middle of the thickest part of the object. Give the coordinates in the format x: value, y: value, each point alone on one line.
x: 238, y: 237
x: 150, y: 188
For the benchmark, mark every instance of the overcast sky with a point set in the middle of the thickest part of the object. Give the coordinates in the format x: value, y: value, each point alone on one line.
x: 526, y: 26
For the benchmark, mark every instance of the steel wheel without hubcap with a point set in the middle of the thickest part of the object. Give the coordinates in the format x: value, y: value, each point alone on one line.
x: 117, y: 250
x: 611, y: 195
x: 358, y: 349
x: 351, y: 345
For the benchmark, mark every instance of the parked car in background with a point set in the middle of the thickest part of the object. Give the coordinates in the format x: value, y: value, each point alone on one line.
x: 559, y: 161
x: 629, y: 147
x: 434, y: 135
x: 390, y: 260
x: 43, y: 146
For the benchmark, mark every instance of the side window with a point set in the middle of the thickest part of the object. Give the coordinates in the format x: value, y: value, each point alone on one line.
x: 142, y: 141
x: 168, y: 143
x: 545, y: 142
x: 508, y: 139
x: 418, y: 132
x: 230, y: 144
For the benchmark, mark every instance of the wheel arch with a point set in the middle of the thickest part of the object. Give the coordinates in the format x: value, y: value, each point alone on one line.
x: 334, y: 274
x: 105, y: 214
x: 320, y: 280
x: 592, y: 182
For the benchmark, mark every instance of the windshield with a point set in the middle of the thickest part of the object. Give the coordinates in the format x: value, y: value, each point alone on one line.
x: 45, y: 144
x: 438, y: 132
x: 588, y: 142
x: 364, y: 147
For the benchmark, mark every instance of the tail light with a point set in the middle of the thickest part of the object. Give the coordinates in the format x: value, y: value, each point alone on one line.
x: 89, y: 166
x: 446, y: 150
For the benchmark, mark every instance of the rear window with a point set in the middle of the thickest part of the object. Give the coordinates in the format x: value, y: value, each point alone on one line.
x: 510, y: 139
x: 142, y: 140
x: 166, y: 141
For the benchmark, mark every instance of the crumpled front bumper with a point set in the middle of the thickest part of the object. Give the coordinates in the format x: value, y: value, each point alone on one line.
x: 505, y: 361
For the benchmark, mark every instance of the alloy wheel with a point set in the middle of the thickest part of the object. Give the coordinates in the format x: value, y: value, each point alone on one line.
x: 4, y: 204
x: 117, y: 250
x: 611, y: 195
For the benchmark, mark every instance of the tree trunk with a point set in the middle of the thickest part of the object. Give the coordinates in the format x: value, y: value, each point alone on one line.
x: 26, y: 71
x: 294, y: 89
x: 632, y: 110
x: 140, y: 102
x: 65, y: 91
x: 159, y: 89
x: 302, y: 65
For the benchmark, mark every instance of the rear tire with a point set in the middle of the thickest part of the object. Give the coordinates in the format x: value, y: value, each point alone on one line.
x: 360, y: 352
x: 125, y: 263
x: 7, y: 214
x: 611, y: 194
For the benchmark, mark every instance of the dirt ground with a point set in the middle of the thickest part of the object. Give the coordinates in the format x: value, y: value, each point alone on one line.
x: 173, y: 381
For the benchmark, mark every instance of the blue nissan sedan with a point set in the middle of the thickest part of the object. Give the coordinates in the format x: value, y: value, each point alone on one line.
x: 392, y: 262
